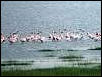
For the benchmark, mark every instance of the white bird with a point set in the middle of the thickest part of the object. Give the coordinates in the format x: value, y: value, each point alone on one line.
x: 23, y: 39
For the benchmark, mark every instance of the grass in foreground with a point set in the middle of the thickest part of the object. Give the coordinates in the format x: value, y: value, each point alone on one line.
x: 61, y: 71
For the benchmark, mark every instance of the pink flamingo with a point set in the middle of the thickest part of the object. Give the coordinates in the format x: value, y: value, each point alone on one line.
x: 2, y: 38
x: 13, y: 38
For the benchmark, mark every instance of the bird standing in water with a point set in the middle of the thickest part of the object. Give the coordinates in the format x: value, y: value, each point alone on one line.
x: 2, y: 38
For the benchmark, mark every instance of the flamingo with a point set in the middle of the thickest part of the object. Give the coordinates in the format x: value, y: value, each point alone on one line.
x: 23, y: 39
x: 67, y: 36
x: 13, y: 38
x: 2, y: 38
x: 95, y: 36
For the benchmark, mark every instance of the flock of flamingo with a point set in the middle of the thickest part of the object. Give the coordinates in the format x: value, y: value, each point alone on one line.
x: 54, y: 36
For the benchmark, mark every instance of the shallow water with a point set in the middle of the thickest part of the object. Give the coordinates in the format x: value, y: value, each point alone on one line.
x: 47, y: 16
x: 48, y: 56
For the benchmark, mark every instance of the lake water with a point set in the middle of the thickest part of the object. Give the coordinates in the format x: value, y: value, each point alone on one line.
x: 45, y: 16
